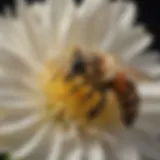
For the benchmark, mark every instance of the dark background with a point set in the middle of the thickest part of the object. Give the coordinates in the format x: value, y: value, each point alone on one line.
x: 148, y: 15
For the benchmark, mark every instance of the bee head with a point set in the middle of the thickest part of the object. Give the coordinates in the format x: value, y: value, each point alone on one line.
x: 91, y: 65
x: 78, y: 65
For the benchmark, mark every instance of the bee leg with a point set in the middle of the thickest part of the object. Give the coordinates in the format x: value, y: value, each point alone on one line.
x: 97, y: 108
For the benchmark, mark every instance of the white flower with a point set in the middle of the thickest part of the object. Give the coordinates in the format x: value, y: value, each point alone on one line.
x: 32, y: 125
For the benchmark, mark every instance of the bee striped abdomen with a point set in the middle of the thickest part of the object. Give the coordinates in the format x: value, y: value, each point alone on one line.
x: 128, y: 98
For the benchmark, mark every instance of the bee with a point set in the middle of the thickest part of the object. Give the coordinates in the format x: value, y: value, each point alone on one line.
x: 94, y: 69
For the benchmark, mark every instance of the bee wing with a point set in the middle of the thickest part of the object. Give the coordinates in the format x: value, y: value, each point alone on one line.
x: 148, y: 64
x: 144, y: 67
x: 139, y: 76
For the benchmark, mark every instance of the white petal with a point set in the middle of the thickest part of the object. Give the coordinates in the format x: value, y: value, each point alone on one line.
x: 32, y: 36
x: 137, y: 47
x: 149, y: 90
x: 15, y: 62
x: 90, y: 30
x: 152, y: 71
x: 13, y: 81
x: 96, y: 152
x: 150, y: 106
x: 11, y: 93
x: 145, y: 59
x: 66, y: 22
x: 23, y: 124
x: 146, y: 144
x: 105, y: 27
x: 32, y: 144
x: 21, y: 104
x: 29, y: 25
x: 15, y: 88
x: 149, y: 122
x: 76, y: 154
x: 56, y: 146
x: 10, y: 99
x: 129, y: 153
x: 128, y: 17
x: 14, y: 43
x: 40, y: 22
x: 21, y: 5
x: 115, y: 11
x: 11, y: 85
x: 128, y: 43
x: 62, y: 144
x: 88, y: 8
x: 27, y: 34
x: 41, y: 151
x: 56, y: 10
x: 147, y: 65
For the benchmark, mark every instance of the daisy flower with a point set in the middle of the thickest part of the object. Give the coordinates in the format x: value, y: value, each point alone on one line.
x: 42, y: 116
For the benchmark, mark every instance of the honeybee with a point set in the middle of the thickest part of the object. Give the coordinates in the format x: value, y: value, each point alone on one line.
x: 94, y: 70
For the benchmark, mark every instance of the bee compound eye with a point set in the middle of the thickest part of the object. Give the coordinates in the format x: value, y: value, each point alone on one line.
x: 77, y: 66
